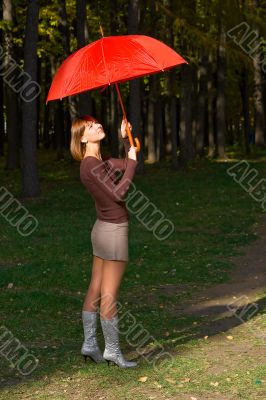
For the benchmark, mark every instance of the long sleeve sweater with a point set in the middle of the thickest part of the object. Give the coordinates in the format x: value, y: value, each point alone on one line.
x: 100, y: 179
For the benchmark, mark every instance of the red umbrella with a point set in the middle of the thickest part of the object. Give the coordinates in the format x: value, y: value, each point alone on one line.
x: 112, y: 59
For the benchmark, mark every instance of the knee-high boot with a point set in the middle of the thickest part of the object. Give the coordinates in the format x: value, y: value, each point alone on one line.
x: 90, y: 346
x: 112, y: 350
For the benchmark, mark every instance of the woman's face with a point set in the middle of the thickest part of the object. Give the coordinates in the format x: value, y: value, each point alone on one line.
x: 93, y: 131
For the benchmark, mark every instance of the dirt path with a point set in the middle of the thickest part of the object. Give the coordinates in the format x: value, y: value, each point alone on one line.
x: 240, y: 298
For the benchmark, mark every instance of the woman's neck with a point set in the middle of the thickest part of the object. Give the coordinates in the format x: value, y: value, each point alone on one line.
x: 95, y: 152
x: 93, y: 155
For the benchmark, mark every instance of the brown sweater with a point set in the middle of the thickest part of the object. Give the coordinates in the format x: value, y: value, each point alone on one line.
x: 100, y: 179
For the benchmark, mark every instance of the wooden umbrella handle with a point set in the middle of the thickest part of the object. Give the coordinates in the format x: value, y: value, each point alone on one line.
x: 137, y: 145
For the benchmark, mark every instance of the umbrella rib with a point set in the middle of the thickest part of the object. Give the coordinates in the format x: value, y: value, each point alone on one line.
x: 107, y: 74
x: 151, y: 56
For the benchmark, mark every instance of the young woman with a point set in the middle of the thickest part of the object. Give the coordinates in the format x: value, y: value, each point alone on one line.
x: 109, y: 235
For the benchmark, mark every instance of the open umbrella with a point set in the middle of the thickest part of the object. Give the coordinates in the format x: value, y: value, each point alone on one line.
x: 112, y: 60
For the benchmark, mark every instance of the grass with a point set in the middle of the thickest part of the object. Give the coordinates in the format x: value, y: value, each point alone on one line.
x: 50, y: 270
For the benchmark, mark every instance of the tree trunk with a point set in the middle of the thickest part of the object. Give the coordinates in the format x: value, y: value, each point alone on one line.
x: 85, y: 103
x: 59, y: 129
x: 134, y: 86
x: 70, y: 103
x: 47, y: 108
x: 158, y: 121
x: 57, y: 112
x: 2, y: 122
x: 30, y: 181
x: 245, y: 106
x: 172, y: 118
x: 185, y: 129
x: 201, y: 106
x: 13, y: 159
x: 168, y: 119
x: 114, y: 122
x: 259, y: 116
x: 220, y: 104
x: 2, y: 125
x: 194, y: 105
x: 174, y: 132
x: 211, y: 108
x: 170, y: 101
x: 38, y: 119
x: 151, y: 157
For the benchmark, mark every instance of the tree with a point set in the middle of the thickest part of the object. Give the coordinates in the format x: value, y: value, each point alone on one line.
x: 30, y: 180
x: 85, y: 106
x: 201, y: 104
x: 258, y: 91
x: 185, y: 130
x: 2, y: 125
x: 221, y: 72
x: 134, y: 85
x: 11, y: 96
x: 114, y: 143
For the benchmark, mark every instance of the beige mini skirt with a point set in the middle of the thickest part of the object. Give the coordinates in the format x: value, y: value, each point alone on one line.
x: 110, y: 240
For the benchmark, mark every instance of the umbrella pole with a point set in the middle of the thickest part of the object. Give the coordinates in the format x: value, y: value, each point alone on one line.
x: 125, y: 117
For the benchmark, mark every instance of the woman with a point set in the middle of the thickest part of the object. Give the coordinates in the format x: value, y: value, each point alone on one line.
x: 109, y: 235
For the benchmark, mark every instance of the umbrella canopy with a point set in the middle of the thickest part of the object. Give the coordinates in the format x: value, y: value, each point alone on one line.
x: 111, y: 59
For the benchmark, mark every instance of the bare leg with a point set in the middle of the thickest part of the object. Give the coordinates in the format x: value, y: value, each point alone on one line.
x: 93, y: 295
x: 112, y: 274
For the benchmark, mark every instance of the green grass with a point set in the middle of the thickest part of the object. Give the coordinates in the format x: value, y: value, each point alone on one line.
x: 50, y: 272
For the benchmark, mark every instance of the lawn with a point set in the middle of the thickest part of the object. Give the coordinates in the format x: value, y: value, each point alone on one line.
x: 44, y: 278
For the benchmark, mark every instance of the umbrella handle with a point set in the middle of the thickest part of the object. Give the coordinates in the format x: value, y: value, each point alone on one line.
x: 137, y: 145
x: 127, y: 126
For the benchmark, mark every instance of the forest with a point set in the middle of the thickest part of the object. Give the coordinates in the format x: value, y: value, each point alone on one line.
x: 184, y: 248
x: 207, y: 108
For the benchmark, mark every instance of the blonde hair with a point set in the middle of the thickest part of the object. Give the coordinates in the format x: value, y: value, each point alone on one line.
x: 77, y: 148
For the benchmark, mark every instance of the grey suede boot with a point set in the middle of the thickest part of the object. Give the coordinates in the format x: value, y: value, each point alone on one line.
x: 112, y: 350
x: 90, y: 346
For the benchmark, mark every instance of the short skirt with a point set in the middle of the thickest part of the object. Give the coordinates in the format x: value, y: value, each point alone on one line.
x: 110, y: 240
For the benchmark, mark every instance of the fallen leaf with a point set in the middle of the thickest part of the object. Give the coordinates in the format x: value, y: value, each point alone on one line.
x: 143, y: 379
x: 170, y: 380
x: 184, y: 380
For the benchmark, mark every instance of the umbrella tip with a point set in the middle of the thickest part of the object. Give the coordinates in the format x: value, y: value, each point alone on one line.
x: 101, y: 30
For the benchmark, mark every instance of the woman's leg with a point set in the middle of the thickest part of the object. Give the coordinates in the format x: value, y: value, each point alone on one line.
x: 112, y: 274
x: 90, y: 346
x: 93, y: 295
